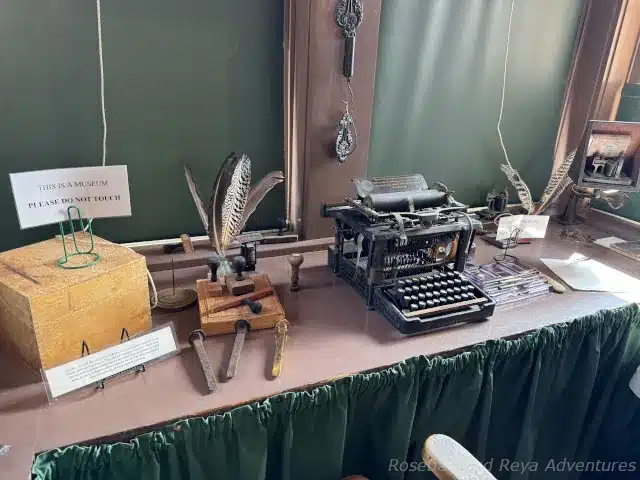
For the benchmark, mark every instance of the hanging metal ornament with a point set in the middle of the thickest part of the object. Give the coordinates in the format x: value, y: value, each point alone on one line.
x: 347, y: 136
x: 348, y: 17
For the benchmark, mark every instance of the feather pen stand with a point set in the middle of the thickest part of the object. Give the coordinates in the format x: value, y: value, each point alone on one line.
x: 232, y: 202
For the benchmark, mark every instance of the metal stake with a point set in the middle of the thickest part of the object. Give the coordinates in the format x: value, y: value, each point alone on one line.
x: 242, y: 327
x: 281, y: 337
x: 196, y: 340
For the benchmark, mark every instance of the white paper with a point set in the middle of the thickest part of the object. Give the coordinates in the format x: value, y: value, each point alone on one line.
x: 608, y: 241
x: 583, y: 273
x: 43, y: 197
x: 529, y: 226
x: 111, y: 361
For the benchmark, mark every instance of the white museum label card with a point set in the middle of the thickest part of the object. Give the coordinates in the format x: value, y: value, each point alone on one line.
x: 125, y: 356
x: 43, y: 197
x: 529, y: 226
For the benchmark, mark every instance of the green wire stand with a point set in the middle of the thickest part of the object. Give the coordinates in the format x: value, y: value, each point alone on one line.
x: 92, y: 257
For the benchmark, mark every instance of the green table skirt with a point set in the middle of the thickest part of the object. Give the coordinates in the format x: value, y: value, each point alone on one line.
x: 559, y: 394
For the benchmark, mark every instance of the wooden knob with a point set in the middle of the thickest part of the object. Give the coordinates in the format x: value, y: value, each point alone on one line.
x: 295, y: 260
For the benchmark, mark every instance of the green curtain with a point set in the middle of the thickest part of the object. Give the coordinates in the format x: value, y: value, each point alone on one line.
x: 557, y: 393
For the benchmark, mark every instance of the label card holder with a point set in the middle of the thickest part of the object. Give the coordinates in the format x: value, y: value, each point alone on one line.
x: 527, y: 226
x: 143, y: 349
x: 43, y: 197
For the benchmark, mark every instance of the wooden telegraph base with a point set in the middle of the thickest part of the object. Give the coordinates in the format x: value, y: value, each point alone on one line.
x: 217, y: 323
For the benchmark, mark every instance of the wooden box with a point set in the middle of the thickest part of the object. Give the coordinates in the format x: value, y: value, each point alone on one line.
x: 46, y: 322
x: 216, y: 323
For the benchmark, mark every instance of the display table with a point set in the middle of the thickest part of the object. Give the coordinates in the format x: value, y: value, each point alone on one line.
x: 332, y: 334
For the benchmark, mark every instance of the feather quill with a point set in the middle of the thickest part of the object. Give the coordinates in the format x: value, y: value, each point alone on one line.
x: 228, y: 200
x: 558, y: 182
x: 258, y: 192
x: 521, y: 188
x: 197, y: 199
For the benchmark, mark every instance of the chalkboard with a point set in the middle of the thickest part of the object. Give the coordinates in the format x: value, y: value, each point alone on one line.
x: 438, y: 86
x: 186, y: 82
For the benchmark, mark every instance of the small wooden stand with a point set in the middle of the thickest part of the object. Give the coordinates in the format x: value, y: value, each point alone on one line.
x: 217, y: 323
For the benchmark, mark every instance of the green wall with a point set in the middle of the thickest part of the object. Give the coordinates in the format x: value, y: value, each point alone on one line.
x: 438, y: 85
x: 186, y: 81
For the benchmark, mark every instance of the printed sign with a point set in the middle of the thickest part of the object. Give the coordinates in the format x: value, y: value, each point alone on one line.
x: 526, y: 226
x: 43, y: 197
x: 154, y: 345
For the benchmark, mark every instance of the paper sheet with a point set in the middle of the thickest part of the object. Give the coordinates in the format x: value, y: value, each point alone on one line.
x: 583, y: 273
x: 608, y: 241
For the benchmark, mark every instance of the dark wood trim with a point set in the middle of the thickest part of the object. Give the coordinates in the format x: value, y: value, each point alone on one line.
x: 613, y: 224
x: 296, y: 51
x: 158, y: 261
x: 584, y: 93
x: 324, y: 179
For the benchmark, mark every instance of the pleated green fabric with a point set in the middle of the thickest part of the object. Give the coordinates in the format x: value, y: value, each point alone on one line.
x: 559, y: 393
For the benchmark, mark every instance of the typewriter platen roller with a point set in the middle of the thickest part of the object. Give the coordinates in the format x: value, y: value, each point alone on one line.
x: 403, y: 246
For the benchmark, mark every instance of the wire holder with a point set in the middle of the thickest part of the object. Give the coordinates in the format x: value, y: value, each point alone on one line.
x: 136, y: 369
x: 508, y: 243
x: 92, y: 257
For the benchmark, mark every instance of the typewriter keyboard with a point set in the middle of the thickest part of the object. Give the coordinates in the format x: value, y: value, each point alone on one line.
x: 434, y: 293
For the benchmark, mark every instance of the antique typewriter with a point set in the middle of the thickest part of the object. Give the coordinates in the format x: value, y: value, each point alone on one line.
x: 403, y: 246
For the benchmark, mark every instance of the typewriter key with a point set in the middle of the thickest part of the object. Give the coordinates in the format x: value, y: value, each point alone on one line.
x: 436, y: 285
x: 436, y: 302
x: 422, y: 305
x: 464, y: 296
x: 450, y: 283
x: 414, y: 298
x: 443, y: 293
x: 400, y: 284
x: 450, y: 275
x: 401, y: 292
x: 457, y: 282
x: 464, y: 288
x: 436, y: 276
x: 421, y: 296
x: 414, y: 307
x: 415, y: 289
x: 457, y: 298
x: 424, y: 288
x: 429, y: 295
x: 408, y: 282
x: 450, y: 291
x: 457, y: 290
x: 450, y: 300
x: 406, y: 300
x: 471, y: 294
x: 430, y: 303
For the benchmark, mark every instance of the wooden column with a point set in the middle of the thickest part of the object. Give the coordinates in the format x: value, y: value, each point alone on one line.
x: 602, y: 61
x: 317, y: 90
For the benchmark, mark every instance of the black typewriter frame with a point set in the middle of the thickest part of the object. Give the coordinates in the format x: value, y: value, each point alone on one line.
x: 372, y: 284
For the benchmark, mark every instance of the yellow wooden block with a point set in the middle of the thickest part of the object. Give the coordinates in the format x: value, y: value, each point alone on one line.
x: 46, y: 311
x: 216, y: 323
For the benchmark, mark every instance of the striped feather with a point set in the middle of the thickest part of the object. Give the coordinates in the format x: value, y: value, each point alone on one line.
x: 521, y: 188
x: 195, y: 193
x: 235, y: 201
x: 558, y: 181
x: 228, y: 200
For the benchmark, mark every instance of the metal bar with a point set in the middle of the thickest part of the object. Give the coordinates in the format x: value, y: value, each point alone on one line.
x: 238, y: 343
x: 196, y: 340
